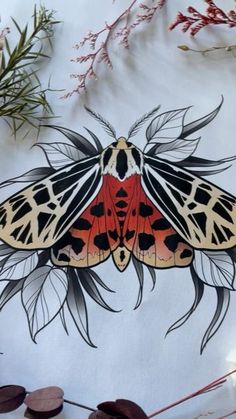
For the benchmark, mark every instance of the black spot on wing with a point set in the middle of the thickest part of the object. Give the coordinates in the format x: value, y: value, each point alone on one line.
x: 192, y: 205
x: 43, y: 220
x: 24, y: 209
x: 77, y: 244
x: 145, y: 210
x: 121, y: 213
x: 227, y: 204
x: 202, y: 197
x: 67, y: 195
x: 134, y: 212
x: 129, y: 234
x: 109, y: 212
x: 42, y: 197
x: 101, y: 241
x: 161, y: 224
x: 220, y: 236
x: 121, y: 204
x: 97, y: 210
x: 187, y: 253
x: 52, y: 206
x: 82, y: 224
x: 145, y: 241
x: 37, y: 187
x: 201, y: 219
x: 3, y: 216
x: 30, y: 239
x: 17, y: 204
x: 213, y: 239
x: 16, y: 198
x: 15, y: 232
x: 121, y: 164
x: 113, y: 234
x: 220, y: 210
x: 179, y: 198
x: 229, y: 198
x: 24, y: 233
x: 64, y: 258
x: 205, y: 186
x: 121, y: 193
x: 172, y: 242
x: 228, y: 232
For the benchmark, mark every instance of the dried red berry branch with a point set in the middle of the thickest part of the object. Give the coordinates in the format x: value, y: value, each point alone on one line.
x: 98, y: 42
x: 213, y: 15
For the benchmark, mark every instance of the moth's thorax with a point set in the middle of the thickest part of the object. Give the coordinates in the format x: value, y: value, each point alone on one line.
x: 121, y: 160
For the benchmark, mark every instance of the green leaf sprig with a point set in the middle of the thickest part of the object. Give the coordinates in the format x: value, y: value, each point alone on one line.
x: 22, y: 98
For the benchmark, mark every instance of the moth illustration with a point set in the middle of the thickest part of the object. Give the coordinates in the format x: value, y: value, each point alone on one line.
x: 150, y: 206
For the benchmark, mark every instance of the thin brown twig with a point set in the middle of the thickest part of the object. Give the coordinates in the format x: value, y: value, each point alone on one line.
x: 203, y: 390
x: 228, y: 48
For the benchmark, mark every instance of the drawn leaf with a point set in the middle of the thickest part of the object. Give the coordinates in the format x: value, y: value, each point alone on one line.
x: 80, y: 142
x: 19, y: 265
x: 10, y: 290
x: 166, y: 127
x: 60, y: 154
x: 214, y: 268
x: 90, y: 287
x: 77, y: 306
x: 177, y: 150
x: 96, y: 140
x: 43, y: 294
x: 199, y: 290
x: 194, y: 126
x: 222, y: 306
x: 5, y: 250
x: 29, y: 177
x: 140, y: 274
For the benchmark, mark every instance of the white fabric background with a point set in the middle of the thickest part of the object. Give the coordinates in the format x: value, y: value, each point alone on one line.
x: 133, y: 359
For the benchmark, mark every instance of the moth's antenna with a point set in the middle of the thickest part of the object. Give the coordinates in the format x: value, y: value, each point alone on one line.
x: 138, y: 124
x: 106, y: 125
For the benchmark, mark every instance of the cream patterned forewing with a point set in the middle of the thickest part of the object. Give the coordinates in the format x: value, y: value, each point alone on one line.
x: 39, y: 215
x: 203, y: 214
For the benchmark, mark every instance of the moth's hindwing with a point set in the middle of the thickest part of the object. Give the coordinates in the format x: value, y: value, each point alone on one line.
x: 203, y: 214
x: 121, y: 220
x: 39, y: 215
x: 93, y: 236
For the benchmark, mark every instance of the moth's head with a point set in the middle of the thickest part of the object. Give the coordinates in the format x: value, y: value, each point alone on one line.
x: 122, y: 144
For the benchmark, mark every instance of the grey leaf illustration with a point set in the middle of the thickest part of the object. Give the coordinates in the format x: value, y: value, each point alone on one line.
x: 43, y: 294
x: 60, y: 154
x: 166, y: 127
x: 177, y: 150
x: 77, y: 306
x: 18, y: 265
x: 29, y: 177
x: 10, y: 290
x: 214, y: 268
